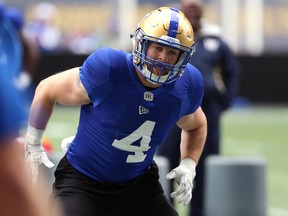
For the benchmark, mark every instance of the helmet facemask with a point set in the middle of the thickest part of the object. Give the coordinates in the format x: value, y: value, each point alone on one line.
x: 168, y: 72
x: 167, y: 27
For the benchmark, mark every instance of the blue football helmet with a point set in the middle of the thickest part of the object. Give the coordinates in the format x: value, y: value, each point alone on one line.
x: 166, y: 26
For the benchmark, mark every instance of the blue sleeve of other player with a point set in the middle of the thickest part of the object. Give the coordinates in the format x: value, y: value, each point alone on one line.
x: 11, y: 114
x: 11, y: 49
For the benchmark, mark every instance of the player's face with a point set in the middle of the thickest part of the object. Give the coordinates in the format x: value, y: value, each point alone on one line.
x: 164, y: 54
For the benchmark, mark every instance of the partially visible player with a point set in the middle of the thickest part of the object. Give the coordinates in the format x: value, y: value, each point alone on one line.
x: 23, y: 68
x: 128, y: 103
x: 17, y: 197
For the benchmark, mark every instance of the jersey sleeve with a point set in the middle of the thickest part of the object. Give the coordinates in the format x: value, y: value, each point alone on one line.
x: 95, y: 75
x: 193, y: 99
x: 11, y: 109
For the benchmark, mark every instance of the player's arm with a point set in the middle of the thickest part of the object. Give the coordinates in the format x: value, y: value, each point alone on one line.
x: 194, y: 130
x: 64, y: 88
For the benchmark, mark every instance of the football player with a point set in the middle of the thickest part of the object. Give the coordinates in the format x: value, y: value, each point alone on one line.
x: 128, y: 104
x: 17, y: 197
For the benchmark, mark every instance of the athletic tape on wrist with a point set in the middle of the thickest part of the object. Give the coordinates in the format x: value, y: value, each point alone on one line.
x: 188, y: 162
x: 34, y: 136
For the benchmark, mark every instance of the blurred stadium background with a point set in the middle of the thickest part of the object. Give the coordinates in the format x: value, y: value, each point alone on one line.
x: 257, y: 31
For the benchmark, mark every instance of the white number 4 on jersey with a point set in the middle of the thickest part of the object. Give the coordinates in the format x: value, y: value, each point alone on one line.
x: 125, y: 144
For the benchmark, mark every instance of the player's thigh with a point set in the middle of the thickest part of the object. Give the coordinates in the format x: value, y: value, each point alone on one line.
x: 158, y: 205
x: 74, y: 206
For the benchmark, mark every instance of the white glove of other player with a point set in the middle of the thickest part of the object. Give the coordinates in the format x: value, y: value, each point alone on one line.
x: 34, y: 152
x: 184, y: 175
x: 66, y: 143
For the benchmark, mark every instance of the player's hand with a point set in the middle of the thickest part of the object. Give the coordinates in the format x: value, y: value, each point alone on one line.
x: 35, y: 153
x: 184, y: 175
x: 34, y: 156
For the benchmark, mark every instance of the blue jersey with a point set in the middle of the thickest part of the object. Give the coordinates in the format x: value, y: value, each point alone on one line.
x: 118, y: 133
x: 11, y: 115
x: 10, y: 47
x: 10, y: 109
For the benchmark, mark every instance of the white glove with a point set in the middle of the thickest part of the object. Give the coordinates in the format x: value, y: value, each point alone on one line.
x: 34, y: 152
x: 184, y: 175
x: 66, y: 143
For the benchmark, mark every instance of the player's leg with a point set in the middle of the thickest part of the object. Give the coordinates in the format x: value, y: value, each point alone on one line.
x: 72, y: 193
x: 74, y: 205
x: 146, y: 196
x: 159, y: 205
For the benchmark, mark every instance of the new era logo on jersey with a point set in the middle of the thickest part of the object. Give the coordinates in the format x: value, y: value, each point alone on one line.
x: 143, y: 110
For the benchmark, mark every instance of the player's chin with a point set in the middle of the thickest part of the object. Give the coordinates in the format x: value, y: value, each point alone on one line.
x: 160, y: 71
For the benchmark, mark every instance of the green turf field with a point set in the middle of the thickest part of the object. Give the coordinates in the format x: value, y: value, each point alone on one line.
x: 262, y: 131
x: 251, y: 131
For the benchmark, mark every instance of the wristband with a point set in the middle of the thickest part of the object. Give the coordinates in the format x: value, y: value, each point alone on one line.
x: 34, y: 136
x: 189, y: 163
